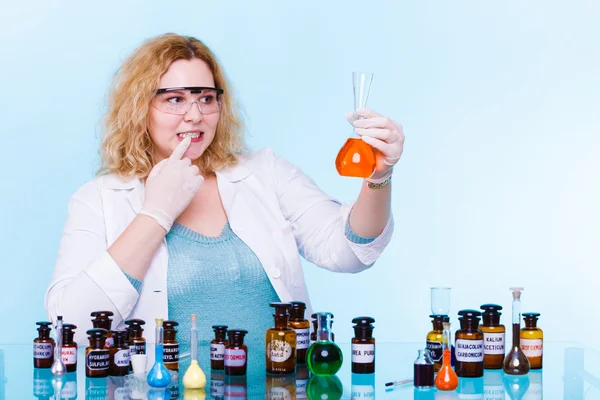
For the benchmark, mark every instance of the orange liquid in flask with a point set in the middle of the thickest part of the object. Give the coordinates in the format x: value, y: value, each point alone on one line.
x: 355, y: 159
x: 446, y: 378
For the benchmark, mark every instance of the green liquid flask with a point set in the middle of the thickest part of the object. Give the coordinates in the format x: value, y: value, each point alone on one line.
x: 324, y: 357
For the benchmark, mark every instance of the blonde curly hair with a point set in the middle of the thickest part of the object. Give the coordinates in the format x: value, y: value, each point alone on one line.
x: 127, y: 148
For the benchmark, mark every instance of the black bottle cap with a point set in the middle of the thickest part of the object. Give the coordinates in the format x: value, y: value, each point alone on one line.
x: 44, y: 326
x: 281, y: 309
x: 135, y: 324
x: 491, y: 314
x: 364, y: 327
x: 530, y: 319
x: 170, y: 332
x: 446, y: 318
x: 219, y: 328
x: 469, y: 314
x: 236, y: 336
x: 119, y: 337
x: 101, y: 319
x: 96, y: 337
x: 297, y: 309
x: 68, y: 333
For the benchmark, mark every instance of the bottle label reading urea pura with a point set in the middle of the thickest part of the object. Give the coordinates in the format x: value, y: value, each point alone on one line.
x: 469, y: 350
x: 363, y: 353
x: 493, y: 343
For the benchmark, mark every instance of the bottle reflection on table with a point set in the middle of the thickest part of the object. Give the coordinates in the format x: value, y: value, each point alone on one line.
x: 280, y: 387
x: 363, y: 386
x: 96, y: 388
x: 217, y: 384
x: 236, y: 387
x: 324, y: 388
x: 42, y: 383
x: 492, y: 385
x: 516, y: 385
x: 302, y: 375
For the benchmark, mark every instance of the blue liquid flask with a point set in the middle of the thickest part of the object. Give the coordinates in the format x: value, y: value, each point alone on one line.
x: 159, y: 376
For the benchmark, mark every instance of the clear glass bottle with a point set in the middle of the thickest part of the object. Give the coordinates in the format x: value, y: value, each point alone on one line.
x: 280, y: 343
x: 469, y: 345
x: 363, y: 346
x: 313, y: 334
x: 97, y: 359
x: 119, y: 354
x: 434, y: 340
x: 58, y: 367
x: 493, y: 336
x: 532, y: 340
x: 102, y: 320
x: 515, y: 362
x: 324, y: 357
x: 217, y: 347
x: 236, y: 353
x: 302, y: 328
x: 171, y: 346
x: 69, y: 347
x: 423, y: 370
x: 159, y: 376
x: 43, y: 346
x: 446, y: 378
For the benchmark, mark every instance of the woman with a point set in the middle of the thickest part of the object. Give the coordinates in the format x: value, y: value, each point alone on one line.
x: 177, y: 188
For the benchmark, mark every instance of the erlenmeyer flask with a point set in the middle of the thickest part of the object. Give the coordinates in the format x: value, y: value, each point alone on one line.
x: 356, y: 158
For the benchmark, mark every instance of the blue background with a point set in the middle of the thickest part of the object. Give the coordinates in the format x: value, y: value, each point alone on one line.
x: 500, y: 102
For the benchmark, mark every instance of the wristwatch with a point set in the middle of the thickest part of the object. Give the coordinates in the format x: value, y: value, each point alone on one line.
x: 380, y: 185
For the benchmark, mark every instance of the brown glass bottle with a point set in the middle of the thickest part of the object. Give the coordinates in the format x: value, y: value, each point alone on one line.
x: 363, y: 346
x: 493, y: 337
x: 469, y: 345
x: 137, y: 342
x: 280, y: 343
x: 43, y: 346
x: 434, y: 340
x: 170, y: 346
x: 532, y: 340
x: 119, y: 354
x: 69, y: 348
x: 97, y: 359
x: 302, y: 328
x: 217, y: 347
x: 236, y: 353
x: 101, y: 320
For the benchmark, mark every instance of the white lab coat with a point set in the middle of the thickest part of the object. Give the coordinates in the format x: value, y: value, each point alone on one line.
x: 271, y: 205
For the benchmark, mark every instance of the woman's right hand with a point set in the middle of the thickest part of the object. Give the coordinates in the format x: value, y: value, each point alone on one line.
x: 171, y: 186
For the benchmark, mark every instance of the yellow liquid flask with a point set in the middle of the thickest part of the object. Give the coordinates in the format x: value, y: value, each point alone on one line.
x: 356, y: 158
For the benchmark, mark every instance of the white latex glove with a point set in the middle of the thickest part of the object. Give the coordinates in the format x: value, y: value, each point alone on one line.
x: 384, y: 135
x: 171, y: 186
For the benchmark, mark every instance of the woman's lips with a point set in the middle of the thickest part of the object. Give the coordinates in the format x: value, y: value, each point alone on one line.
x: 194, y: 139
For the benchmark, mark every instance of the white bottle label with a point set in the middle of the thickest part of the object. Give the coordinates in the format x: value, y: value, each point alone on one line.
x: 69, y: 355
x: 469, y: 350
x: 235, y: 358
x: 171, y: 353
x: 493, y: 343
x: 301, y: 388
x: 532, y: 347
x: 97, y: 359
x: 279, y: 393
x: 302, y: 338
x: 279, y: 350
x: 217, y: 352
x: 121, y: 358
x: 363, y: 353
x: 43, y: 350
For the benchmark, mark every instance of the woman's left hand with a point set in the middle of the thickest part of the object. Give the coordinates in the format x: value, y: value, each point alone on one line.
x: 384, y: 135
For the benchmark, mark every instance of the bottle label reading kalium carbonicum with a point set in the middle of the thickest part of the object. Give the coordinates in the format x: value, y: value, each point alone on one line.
x: 469, y: 350
x: 493, y: 343
x: 363, y: 353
